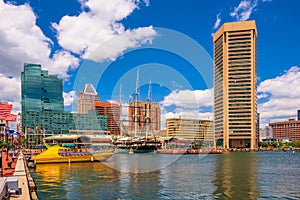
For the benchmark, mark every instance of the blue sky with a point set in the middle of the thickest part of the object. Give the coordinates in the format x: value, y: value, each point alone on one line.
x: 104, y: 42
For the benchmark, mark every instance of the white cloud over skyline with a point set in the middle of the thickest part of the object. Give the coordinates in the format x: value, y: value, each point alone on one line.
x: 218, y: 21
x: 10, y: 88
x: 69, y: 97
x: 93, y: 29
x: 281, y: 97
x: 23, y: 41
x: 244, y: 10
x: 118, y: 44
x: 189, y: 98
x: 187, y: 104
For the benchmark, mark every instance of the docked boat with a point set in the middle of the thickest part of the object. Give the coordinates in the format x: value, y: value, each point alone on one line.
x: 171, y: 151
x: 58, y: 154
x: 182, y: 146
x: 141, y: 136
x: 188, y: 151
x: 137, y: 145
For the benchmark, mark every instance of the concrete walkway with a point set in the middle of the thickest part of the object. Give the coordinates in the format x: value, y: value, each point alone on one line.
x: 20, y: 171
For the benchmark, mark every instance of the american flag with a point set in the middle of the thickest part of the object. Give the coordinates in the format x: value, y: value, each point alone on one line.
x: 9, y: 117
x: 5, y: 108
x: 5, y: 114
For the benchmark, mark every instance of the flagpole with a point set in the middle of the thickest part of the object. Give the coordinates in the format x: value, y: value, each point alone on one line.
x: 6, y: 134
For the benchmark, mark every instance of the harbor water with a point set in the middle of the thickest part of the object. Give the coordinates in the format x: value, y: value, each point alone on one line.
x: 234, y: 175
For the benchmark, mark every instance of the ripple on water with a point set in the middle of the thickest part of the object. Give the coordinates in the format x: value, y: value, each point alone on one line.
x: 254, y: 175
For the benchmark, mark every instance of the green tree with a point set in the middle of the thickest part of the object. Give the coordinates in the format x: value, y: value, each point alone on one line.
x: 1, y: 143
x: 274, y: 144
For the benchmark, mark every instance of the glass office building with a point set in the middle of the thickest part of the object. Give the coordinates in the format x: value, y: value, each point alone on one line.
x: 40, y: 91
x: 43, y: 106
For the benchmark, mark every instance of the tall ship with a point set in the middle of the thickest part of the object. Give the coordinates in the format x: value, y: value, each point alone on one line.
x: 140, y: 138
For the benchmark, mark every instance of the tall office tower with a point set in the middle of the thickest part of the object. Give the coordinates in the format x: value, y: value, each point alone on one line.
x: 138, y: 113
x: 40, y: 92
x: 235, y: 101
x: 87, y: 98
x: 43, y: 107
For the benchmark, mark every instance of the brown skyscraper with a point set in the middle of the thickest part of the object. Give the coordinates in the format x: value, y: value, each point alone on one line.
x: 87, y: 98
x: 235, y: 101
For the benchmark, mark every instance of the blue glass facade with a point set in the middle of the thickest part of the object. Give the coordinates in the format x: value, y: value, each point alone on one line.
x: 40, y: 91
x: 43, y: 106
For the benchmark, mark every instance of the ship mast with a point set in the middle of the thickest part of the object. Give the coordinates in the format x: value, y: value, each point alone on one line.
x: 135, y: 121
x: 120, y: 116
x: 148, y: 111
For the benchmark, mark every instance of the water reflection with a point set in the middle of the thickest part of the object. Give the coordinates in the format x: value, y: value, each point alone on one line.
x: 228, y: 176
x: 139, y: 185
x: 236, y: 176
x: 70, y: 181
x: 137, y: 163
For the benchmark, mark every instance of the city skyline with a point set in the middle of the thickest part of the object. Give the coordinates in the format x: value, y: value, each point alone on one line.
x: 42, y: 37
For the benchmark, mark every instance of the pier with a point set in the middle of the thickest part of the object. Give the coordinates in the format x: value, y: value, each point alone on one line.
x: 15, y: 168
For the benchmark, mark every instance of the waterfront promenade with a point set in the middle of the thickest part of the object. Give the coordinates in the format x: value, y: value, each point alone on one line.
x: 15, y: 166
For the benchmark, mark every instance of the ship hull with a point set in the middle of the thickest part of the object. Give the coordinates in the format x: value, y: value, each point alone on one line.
x: 54, y: 155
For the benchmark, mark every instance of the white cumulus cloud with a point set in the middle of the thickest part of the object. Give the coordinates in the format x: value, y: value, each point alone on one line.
x: 189, y: 98
x: 10, y: 88
x: 21, y: 40
x: 218, y: 21
x: 98, y: 23
x: 187, y: 104
x: 118, y: 44
x: 244, y: 10
x: 283, y: 97
x: 69, y: 97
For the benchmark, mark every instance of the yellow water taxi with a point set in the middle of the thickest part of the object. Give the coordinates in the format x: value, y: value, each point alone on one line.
x: 58, y: 154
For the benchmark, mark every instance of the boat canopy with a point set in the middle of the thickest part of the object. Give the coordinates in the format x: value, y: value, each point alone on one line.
x: 68, y: 145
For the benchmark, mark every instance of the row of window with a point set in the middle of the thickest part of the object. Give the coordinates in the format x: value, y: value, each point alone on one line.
x: 230, y: 35
x: 239, y: 58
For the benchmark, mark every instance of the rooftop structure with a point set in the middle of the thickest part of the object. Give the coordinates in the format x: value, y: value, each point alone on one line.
x: 87, y: 98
